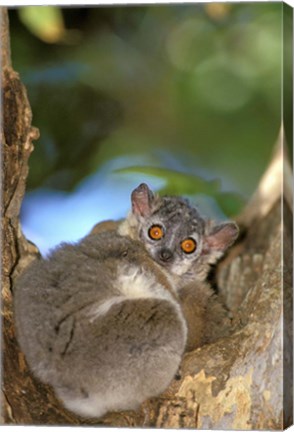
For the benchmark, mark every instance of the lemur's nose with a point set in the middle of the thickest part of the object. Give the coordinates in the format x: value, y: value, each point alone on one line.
x: 165, y: 255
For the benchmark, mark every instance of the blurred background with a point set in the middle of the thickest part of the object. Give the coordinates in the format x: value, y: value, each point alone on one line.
x: 184, y: 97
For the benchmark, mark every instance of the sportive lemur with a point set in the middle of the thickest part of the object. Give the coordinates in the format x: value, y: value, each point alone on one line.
x: 106, y: 321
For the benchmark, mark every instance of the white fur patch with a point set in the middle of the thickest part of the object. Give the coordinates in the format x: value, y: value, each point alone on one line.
x: 104, y: 307
x: 128, y: 227
x: 132, y: 283
x: 97, y: 405
x: 181, y: 268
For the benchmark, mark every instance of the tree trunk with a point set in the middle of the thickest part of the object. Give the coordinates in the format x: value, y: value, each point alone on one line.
x: 235, y: 383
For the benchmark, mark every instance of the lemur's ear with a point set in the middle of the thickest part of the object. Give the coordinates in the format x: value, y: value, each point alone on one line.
x: 142, y: 198
x: 220, y: 238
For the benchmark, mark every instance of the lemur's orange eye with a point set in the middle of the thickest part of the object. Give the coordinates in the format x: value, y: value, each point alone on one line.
x: 156, y: 232
x: 189, y: 245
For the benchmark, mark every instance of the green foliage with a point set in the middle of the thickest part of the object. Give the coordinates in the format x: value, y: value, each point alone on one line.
x: 179, y: 183
x: 202, y: 81
x: 45, y: 22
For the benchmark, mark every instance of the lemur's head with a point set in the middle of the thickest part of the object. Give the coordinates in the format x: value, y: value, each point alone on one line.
x: 175, y: 235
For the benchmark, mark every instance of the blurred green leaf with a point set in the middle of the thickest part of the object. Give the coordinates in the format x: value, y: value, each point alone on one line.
x: 45, y: 22
x: 205, y: 86
x: 230, y: 203
x: 179, y: 183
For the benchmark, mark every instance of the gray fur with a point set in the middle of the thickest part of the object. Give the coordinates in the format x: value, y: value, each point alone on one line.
x: 98, y: 362
x: 106, y: 321
x: 179, y: 220
x: 204, y: 311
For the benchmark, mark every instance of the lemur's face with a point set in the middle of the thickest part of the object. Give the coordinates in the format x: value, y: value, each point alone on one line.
x: 173, y: 232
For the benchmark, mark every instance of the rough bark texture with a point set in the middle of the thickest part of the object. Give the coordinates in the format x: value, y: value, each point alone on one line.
x: 235, y: 383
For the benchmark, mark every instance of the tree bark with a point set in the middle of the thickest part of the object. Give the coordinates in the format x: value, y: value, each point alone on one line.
x: 235, y: 383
